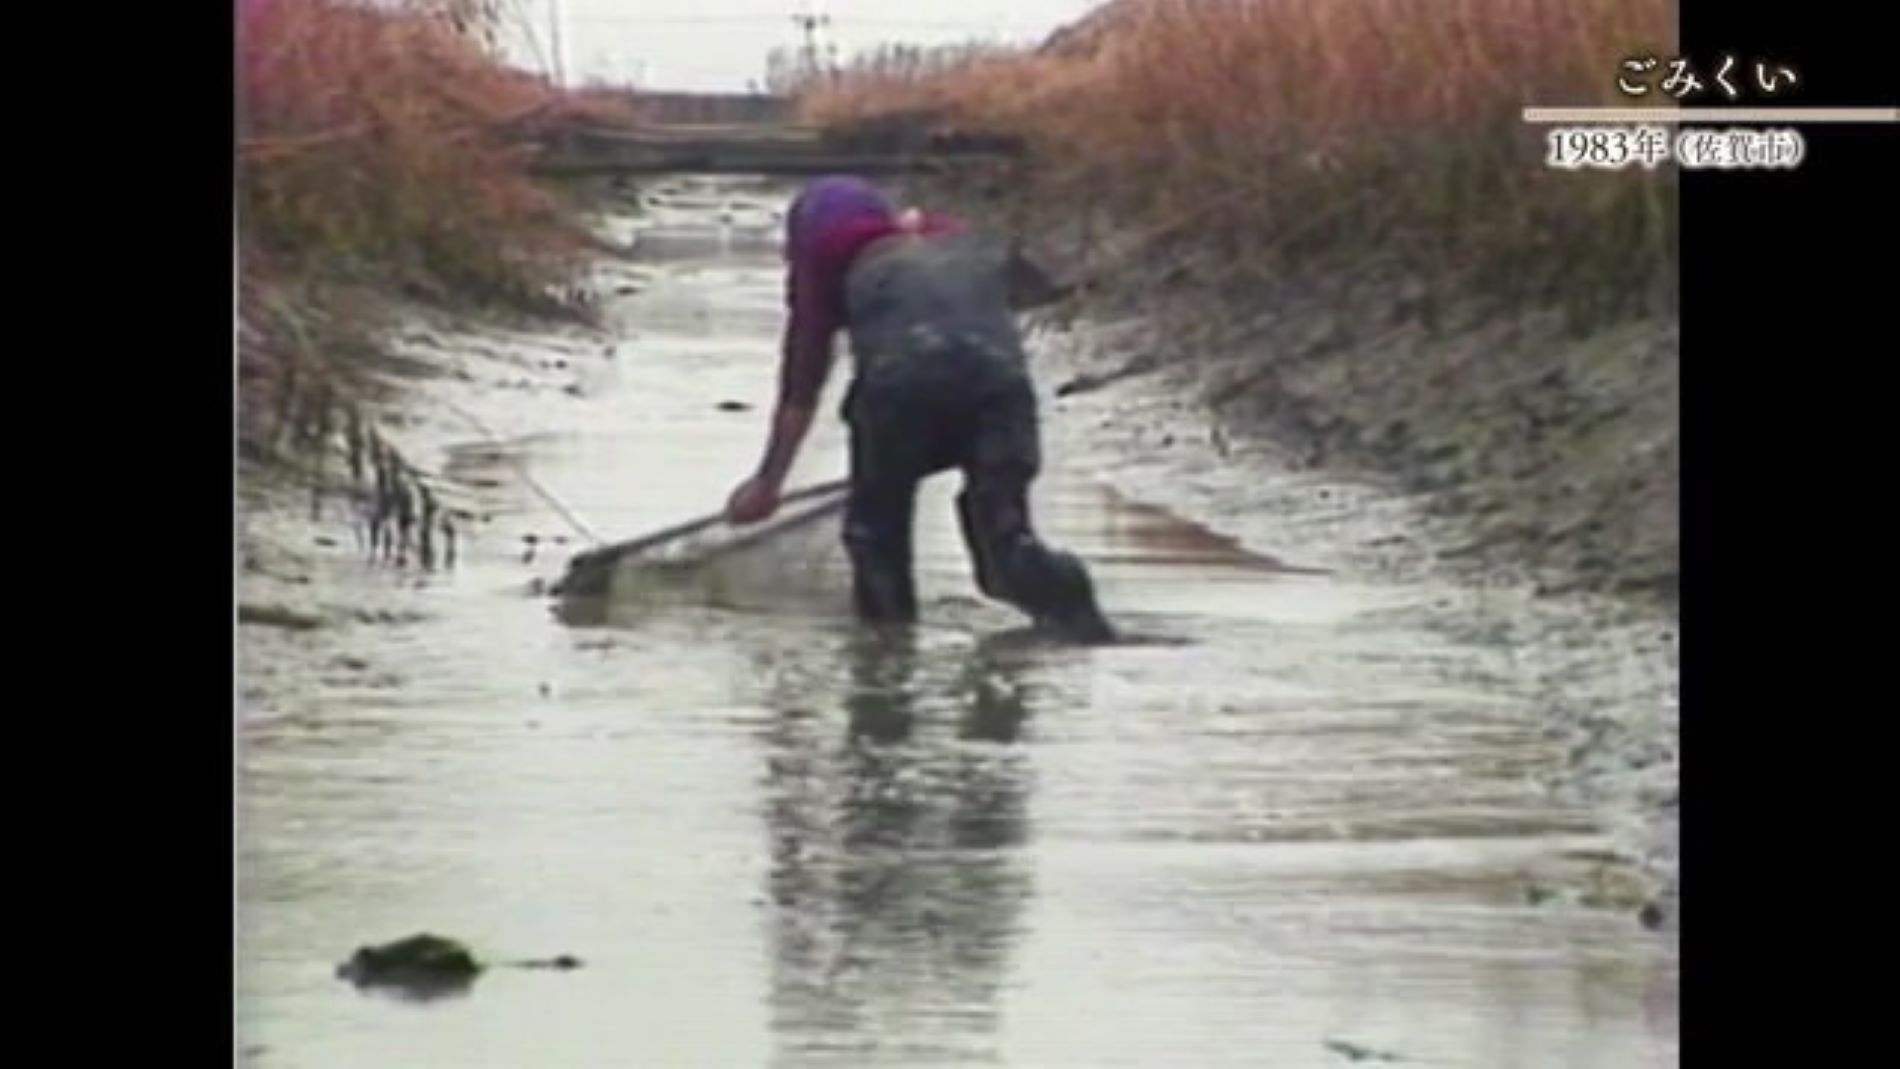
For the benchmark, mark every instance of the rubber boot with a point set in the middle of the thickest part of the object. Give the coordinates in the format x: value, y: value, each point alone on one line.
x: 881, y: 587
x: 1063, y: 602
x: 987, y: 578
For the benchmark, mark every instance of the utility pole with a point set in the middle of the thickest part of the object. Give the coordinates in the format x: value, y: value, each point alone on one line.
x: 808, y: 23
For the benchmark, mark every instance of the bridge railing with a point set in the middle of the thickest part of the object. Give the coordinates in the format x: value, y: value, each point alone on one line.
x: 893, y: 144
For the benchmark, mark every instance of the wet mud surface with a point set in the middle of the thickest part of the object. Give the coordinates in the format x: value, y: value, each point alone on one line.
x: 1313, y: 814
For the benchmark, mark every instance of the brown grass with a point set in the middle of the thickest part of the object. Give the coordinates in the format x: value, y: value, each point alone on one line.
x: 1306, y: 136
x: 383, y: 148
x: 384, y: 144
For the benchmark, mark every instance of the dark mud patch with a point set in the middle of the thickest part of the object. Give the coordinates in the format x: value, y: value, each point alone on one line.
x: 1353, y: 1052
x: 1088, y: 382
x: 586, y: 608
x: 1160, y: 536
x: 398, y: 366
x: 1125, y: 638
x: 278, y: 616
x: 389, y: 616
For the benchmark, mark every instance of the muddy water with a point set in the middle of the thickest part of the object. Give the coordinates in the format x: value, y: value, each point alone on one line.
x: 1297, y: 828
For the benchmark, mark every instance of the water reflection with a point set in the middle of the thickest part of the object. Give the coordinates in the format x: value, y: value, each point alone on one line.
x: 897, y: 881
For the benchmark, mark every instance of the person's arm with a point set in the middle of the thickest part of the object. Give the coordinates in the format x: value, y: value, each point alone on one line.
x: 806, y: 366
x: 814, y: 317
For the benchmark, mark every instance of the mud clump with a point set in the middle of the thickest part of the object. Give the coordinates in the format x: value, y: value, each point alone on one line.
x: 419, y: 964
x: 426, y: 966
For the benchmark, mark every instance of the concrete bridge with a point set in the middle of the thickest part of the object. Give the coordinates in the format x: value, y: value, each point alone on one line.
x: 893, y: 144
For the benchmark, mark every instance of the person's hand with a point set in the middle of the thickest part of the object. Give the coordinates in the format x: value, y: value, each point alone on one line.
x: 754, y: 500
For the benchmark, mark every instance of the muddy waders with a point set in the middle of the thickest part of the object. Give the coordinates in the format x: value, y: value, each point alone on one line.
x: 941, y: 382
x: 905, y: 429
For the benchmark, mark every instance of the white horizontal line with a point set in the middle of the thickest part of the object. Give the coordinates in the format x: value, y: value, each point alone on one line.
x: 1711, y: 115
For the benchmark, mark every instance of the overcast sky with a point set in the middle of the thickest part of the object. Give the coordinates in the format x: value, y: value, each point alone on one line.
x: 722, y: 44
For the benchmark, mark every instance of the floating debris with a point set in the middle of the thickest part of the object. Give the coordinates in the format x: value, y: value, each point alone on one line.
x: 278, y: 616
x: 1651, y: 916
x: 1357, y: 1053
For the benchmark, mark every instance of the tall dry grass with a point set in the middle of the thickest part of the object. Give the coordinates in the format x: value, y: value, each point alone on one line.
x: 1306, y: 137
x: 382, y: 142
x: 382, y: 147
